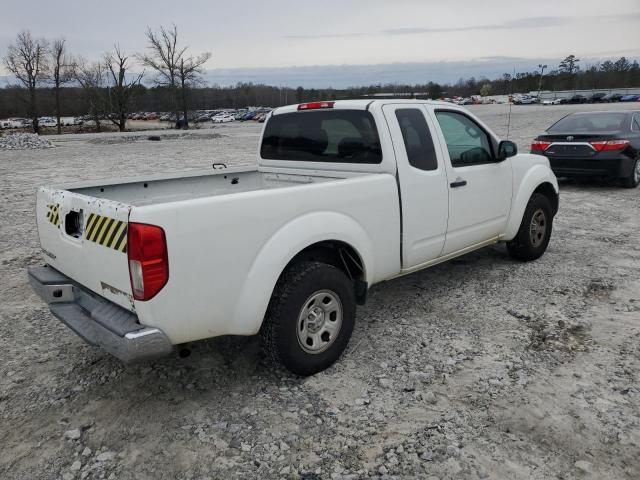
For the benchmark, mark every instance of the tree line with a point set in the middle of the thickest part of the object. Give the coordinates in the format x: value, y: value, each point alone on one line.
x: 50, y: 80
x: 106, y: 86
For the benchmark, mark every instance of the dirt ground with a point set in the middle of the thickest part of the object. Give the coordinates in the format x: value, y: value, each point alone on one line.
x: 479, y: 368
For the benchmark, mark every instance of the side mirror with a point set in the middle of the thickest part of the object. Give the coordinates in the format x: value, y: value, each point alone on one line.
x: 506, y: 149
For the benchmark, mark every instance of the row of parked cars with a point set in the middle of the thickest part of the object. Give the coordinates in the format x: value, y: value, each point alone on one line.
x: 46, y: 122
x: 225, y: 116
x: 472, y: 100
x: 206, y: 116
x: 597, y: 97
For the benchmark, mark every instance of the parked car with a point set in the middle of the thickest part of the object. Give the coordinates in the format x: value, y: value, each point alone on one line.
x: 524, y: 100
x: 346, y: 194
x: 612, y: 97
x: 597, y: 97
x: 70, y: 121
x: 578, y: 98
x: 222, y: 118
x: 600, y: 144
x: 249, y: 115
x: 555, y: 101
x: 205, y: 117
x: 47, y: 122
x: 21, y: 122
x: 630, y: 98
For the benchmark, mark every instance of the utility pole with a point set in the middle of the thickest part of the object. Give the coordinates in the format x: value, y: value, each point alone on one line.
x: 541, y: 67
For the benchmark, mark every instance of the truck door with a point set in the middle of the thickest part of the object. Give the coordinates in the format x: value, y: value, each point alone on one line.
x: 423, y: 183
x: 480, y: 186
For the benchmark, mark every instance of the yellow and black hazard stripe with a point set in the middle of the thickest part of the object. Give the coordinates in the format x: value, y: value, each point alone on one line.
x: 53, y: 214
x: 106, y: 231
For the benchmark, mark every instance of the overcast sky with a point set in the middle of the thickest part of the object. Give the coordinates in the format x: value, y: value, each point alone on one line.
x: 286, y: 33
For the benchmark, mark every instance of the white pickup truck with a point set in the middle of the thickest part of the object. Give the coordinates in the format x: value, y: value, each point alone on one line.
x: 345, y: 194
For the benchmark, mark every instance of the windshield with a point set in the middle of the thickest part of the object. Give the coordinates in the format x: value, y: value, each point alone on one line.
x: 346, y: 136
x: 590, y: 122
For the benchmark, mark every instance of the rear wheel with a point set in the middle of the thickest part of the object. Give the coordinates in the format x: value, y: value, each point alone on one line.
x: 310, y: 318
x: 633, y: 180
x: 535, y: 230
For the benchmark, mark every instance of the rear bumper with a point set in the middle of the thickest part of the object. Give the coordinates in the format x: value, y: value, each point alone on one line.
x: 620, y: 167
x: 96, y: 320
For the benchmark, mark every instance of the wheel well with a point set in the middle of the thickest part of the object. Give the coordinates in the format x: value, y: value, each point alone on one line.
x: 548, y: 191
x: 340, y: 255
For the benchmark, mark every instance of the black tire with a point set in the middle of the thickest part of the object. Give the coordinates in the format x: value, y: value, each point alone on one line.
x: 279, y: 332
x: 529, y: 244
x: 633, y: 180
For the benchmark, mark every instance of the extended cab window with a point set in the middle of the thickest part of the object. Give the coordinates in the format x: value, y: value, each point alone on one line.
x: 467, y: 143
x: 417, y: 139
x: 346, y: 136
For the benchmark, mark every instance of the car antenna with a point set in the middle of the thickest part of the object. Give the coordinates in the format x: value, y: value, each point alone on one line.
x: 510, y: 102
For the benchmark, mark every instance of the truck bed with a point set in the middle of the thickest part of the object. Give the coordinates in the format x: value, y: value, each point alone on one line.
x: 83, y: 227
x: 159, y: 189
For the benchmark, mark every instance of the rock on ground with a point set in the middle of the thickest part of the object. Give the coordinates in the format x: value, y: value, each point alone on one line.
x: 23, y: 141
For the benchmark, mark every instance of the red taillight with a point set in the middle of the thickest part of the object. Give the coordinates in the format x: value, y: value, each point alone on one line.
x: 315, y: 105
x: 610, y: 145
x: 148, y: 261
x: 540, y: 145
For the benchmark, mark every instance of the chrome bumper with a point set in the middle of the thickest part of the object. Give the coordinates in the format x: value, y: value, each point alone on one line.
x: 96, y: 320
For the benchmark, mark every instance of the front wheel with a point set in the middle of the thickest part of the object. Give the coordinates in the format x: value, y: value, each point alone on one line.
x: 310, y: 318
x: 633, y: 180
x: 535, y: 230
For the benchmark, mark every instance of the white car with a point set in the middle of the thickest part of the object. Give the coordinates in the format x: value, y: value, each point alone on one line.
x: 224, y: 118
x: 345, y: 195
x: 555, y: 101
x: 524, y: 100
x: 20, y: 122
x: 70, y: 121
x: 47, y: 122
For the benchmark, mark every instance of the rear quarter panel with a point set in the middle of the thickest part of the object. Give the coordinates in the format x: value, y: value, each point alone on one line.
x: 226, y: 253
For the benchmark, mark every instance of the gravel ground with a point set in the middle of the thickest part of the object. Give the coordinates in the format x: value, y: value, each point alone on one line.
x: 478, y: 368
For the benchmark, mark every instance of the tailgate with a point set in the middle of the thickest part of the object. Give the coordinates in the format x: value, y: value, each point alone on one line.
x: 86, y: 239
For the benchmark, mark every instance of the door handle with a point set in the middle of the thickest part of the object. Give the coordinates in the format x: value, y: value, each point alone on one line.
x: 458, y: 183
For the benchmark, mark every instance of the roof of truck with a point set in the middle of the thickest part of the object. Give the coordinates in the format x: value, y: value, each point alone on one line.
x: 361, y: 104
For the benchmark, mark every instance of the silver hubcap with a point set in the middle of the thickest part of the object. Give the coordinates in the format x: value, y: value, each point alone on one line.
x: 636, y: 173
x: 538, y: 227
x: 319, y: 321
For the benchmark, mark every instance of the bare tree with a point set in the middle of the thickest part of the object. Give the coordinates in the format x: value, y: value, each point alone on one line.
x: 91, y: 76
x: 27, y: 61
x: 121, y: 87
x: 173, y: 68
x: 189, y: 72
x: 61, y: 73
x: 163, y: 57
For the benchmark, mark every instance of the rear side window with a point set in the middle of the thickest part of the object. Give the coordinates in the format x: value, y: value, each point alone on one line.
x: 343, y: 136
x: 417, y: 139
x: 590, y: 123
